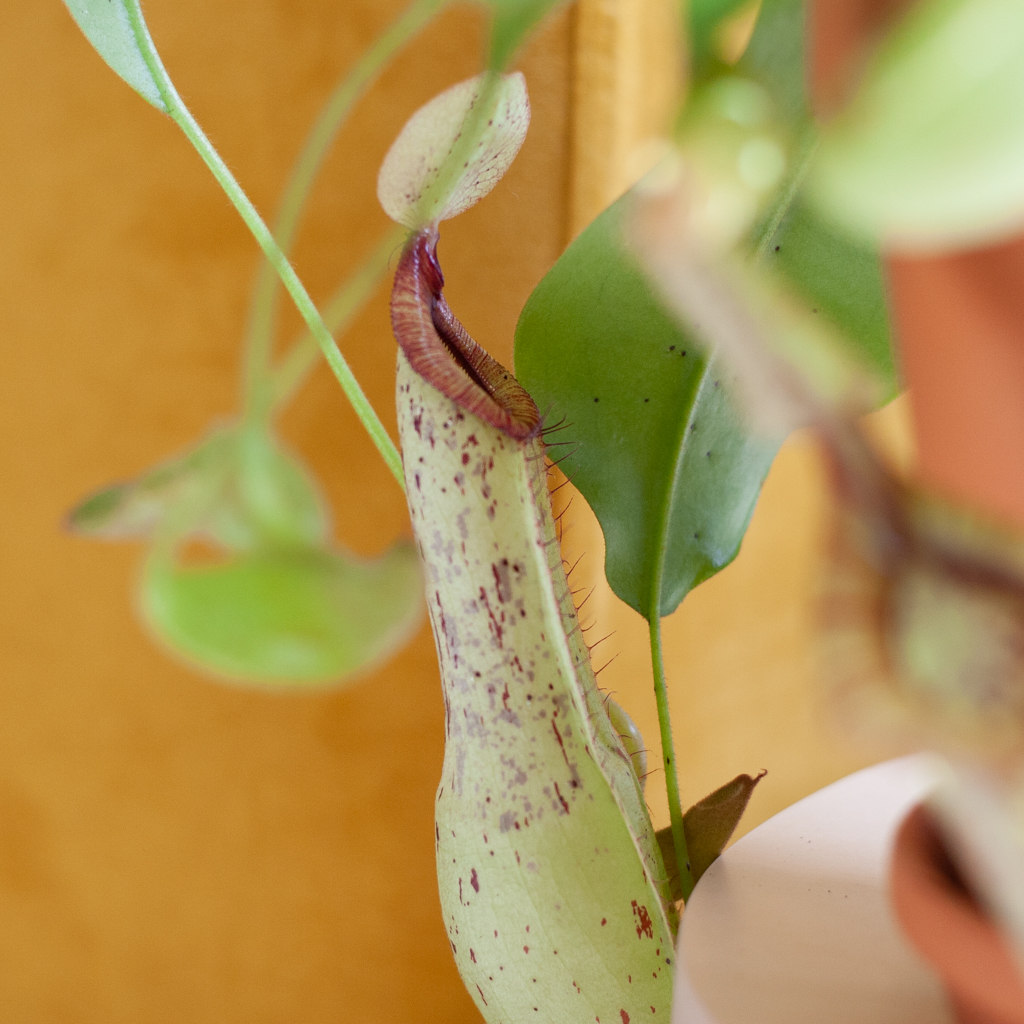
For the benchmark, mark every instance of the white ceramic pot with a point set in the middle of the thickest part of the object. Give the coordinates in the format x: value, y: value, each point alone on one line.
x: 793, y: 924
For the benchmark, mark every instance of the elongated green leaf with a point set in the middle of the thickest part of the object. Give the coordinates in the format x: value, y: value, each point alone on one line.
x: 513, y: 21
x: 285, y: 618
x: 655, y: 445
x: 106, y: 25
x: 662, y: 456
x: 929, y: 154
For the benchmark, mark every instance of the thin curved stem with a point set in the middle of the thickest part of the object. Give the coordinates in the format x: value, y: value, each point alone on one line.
x: 184, y: 119
x: 668, y: 753
x: 259, y: 339
x: 295, y: 365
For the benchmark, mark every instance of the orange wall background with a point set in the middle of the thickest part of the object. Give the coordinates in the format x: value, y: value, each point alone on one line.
x: 174, y: 849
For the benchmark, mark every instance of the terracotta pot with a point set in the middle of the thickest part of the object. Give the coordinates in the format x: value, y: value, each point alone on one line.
x: 949, y: 928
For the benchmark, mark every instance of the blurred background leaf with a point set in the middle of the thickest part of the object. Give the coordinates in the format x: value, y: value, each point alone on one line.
x: 279, y: 605
x: 238, y: 487
x: 928, y: 154
x: 285, y: 618
x: 268, y: 498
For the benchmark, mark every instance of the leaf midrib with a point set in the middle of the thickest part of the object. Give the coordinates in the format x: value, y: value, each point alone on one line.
x: 669, y: 496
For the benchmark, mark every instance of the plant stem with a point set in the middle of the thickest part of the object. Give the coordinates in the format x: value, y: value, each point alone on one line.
x: 296, y: 364
x: 259, y: 340
x: 184, y: 119
x: 668, y: 753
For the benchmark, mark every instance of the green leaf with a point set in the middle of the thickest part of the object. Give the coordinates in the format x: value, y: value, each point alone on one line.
x: 840, y: 278
x: 107, y: 26
x: 183, y: 490
x: 660, y: 453
x: 663, y: 458
x: 929, y: 153
x: 240, y: 489
x: 285, y: 617
x: 268, y: 498
x: 709, y: 825
x: 134, y: 509
x: 513, y: 21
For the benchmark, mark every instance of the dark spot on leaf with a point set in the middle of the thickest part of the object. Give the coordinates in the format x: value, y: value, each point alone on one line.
x: 561, y: 799
x: 645, y: 925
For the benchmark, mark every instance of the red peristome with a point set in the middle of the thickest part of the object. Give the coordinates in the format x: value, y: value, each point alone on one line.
x: 442, y: 352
